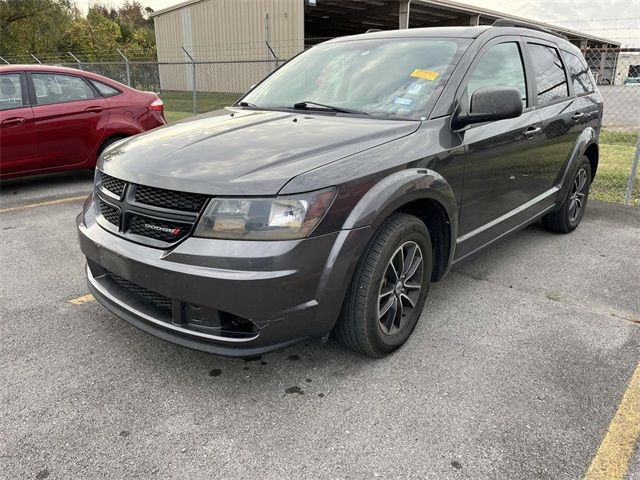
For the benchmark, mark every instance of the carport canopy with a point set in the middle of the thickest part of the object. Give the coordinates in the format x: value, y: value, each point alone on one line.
x: 333, y: 18
x: 324, y: 19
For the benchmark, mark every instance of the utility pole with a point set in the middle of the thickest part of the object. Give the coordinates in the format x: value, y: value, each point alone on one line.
x: 126, y: 62
x: 76, y: 59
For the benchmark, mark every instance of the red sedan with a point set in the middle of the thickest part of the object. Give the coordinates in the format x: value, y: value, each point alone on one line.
x: 56, y: 118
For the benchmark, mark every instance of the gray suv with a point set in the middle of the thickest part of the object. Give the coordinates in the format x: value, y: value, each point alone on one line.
x: 333, y: 193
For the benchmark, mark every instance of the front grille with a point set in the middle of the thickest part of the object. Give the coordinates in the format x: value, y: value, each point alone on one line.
x: 158, y: 197
x: 110, y: 213
x: 165, y: 231
x: 150, y: 296
x: 148, y: 215
x: 112, y: 184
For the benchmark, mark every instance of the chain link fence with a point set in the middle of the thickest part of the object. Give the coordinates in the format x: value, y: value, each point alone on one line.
x: 617, y: 73
x: 188, y: 86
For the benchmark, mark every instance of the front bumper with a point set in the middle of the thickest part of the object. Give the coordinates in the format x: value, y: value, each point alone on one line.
x: 279, y: 292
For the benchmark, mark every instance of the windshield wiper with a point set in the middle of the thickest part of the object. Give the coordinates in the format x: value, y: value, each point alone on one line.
x: 247, y: 104
x: 306, y: 104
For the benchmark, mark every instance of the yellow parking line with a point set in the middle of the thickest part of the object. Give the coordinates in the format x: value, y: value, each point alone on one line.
x: 82, y: 300
x: 613, y: 456
x: 42, y: 204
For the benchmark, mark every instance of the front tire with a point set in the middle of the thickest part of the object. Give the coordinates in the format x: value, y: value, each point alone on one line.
x: 567, y: 218
x: 388, y: 289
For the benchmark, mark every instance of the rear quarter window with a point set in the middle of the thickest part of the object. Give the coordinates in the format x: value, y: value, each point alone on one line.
x: 104, y: 89
x: 579, y: 72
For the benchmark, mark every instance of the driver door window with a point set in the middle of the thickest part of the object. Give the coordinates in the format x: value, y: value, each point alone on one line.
x: 501, y: 66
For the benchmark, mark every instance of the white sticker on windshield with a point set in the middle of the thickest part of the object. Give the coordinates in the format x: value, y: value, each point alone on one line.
x: 415, y: 88
x: 403, y: 101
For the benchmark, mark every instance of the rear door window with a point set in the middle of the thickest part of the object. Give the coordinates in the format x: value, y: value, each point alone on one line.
x: 57, y: 88
x: 500, y: 66
x: 579, y: 72
x: 10, y: 91
x: 551, y: 81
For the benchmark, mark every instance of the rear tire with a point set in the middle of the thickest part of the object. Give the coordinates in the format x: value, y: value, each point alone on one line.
x: 107, y: 142
x: 388, y: 289
x: 567, y: 218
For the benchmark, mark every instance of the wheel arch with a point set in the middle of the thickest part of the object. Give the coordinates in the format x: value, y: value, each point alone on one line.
x: 111, y: 139
x: 585, y: 145
x: 106, y: 143
x: 422, y: 193
x: 592, y: 152
x: 434, y: 216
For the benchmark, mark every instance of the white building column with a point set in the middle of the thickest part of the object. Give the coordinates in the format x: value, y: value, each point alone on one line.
x: 403, y: 9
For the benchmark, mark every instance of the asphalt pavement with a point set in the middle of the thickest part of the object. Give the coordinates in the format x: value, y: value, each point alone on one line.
x: 516, y: 369
x: 621, y: 107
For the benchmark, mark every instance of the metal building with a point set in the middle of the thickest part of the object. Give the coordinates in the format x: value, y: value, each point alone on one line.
x: 241, y: 38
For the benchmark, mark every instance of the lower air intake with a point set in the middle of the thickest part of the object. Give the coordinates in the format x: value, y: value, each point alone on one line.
x: 158, y: 300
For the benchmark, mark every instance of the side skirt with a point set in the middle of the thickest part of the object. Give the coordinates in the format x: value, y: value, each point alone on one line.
x: 510, y: 223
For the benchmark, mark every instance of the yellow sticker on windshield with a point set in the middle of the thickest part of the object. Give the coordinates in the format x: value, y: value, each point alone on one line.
x: 425, y: 74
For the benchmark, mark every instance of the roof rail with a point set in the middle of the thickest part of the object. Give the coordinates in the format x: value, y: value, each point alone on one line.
x: 373, y: 30
x: 503, y: 22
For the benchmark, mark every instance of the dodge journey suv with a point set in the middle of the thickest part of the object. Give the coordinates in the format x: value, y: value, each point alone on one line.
x: 331, y: 195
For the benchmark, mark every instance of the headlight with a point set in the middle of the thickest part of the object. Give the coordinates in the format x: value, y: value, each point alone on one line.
x: 278, y: 218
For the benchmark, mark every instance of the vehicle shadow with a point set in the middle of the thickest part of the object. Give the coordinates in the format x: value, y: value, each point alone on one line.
x: 522, y: 262
x: 308, y: 368
x: 55, y: 184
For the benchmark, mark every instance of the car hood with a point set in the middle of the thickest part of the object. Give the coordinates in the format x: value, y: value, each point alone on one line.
x: 244, y: 152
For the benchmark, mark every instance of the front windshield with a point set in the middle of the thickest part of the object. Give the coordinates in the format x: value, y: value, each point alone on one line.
x: 383, y: 77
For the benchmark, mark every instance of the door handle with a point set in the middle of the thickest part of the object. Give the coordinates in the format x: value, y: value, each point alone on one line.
x: 95, y: 109
x: 577, y: 116
x: 9, y: 122
x: 531, y: 132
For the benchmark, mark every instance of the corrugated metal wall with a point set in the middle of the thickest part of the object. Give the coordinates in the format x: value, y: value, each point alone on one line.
x: 223, y: 30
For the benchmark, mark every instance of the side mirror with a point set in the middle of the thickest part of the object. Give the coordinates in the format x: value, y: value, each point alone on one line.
x: 489, y: 104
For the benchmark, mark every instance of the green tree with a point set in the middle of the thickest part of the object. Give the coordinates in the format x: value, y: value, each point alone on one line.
x: 50, y: 28
x: 33, y: 26
x: 136, y: 27
x: 92, y: 37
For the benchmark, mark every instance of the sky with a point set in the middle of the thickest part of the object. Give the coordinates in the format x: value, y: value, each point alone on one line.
x: 617, y: 20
